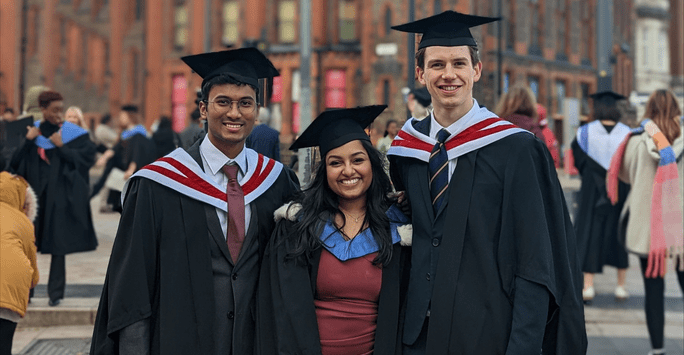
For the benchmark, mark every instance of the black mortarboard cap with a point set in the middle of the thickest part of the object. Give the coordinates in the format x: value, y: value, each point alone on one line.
x: 448, y: 29
x: 337, y: 127
x: 422, y: 96
x: 608, y: 97
x: 246, y: 65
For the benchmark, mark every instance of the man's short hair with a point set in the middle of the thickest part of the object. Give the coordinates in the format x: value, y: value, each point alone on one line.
x: 474, y: 56
x: 224, y: 79
x: 129, y: 108
x: 195, y: 115
x: 47, y: 97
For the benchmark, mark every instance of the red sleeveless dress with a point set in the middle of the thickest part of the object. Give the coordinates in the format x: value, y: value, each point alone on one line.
x: 346, y: 303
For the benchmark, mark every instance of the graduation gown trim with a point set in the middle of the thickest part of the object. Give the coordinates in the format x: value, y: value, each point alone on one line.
x: 180, y: 172
x: 68, y: 130
x: 139, y: 129
x: 599, y: 144
x: 479, y: 128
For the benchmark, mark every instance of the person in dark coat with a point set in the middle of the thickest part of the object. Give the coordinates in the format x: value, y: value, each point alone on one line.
x: 165, y: 139
x: 596, y: 220
x: 133, y: 151
x: 55, y: 160
x: 193, y: 132
x: 264, y: 139
x: 331, y: 278
x: 185, y: 262
x: 493, y: 259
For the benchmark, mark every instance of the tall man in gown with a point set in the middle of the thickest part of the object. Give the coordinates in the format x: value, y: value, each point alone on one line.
x: 493, y: 265
x: 186, y: 258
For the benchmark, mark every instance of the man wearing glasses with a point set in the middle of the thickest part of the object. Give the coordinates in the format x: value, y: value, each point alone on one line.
x: 185, y: 262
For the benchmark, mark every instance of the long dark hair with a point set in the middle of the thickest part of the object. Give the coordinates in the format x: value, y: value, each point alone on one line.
x: 320, y: 204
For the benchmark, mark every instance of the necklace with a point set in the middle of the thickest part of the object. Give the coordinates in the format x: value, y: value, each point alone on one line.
x: 356, y: 219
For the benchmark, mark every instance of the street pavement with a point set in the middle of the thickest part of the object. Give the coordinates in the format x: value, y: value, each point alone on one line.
x: 613, y: 328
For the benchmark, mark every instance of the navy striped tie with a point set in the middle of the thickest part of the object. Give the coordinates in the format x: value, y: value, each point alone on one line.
x: 439, y: 171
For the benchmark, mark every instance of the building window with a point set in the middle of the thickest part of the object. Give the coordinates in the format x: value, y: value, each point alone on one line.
x: 437, y: 6
x: 585, y: 31
x: 139, y: 9
x: 533, y: 81
x: 506, y: 82
x: 286, y: 21
x: 231, y: 12
x: 560, y: 96
x: 84, y: 54
x: 645, y: 47
x: 178, y: 99
x: 386, y: 92
x: 180, y: 20
x: 347, y: 20
x: 561, y: 37
x: 135, y: 73
x: 536, y: 28
x: 335, y: 86
x: 388, y: 21
x: 296, y: 107
x: 662, y: 49
x: 584, y: 99
x: 510, y: 25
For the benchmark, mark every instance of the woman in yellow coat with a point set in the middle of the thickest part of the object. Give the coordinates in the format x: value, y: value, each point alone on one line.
x: 18, y: 269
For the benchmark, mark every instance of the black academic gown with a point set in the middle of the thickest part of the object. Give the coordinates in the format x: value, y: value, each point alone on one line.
x: 170, y: 266
x: 505, y: 218
x: 137, y: 149
x: 596, y: 219
x: 286, y: 314
x: 64, y: 223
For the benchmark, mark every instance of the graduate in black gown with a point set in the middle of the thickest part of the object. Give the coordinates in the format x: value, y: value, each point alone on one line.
x: 596, y: 220
x: 133, y: 151
x: 493, y: 260
x: 331, y: 278
x: 183, y: 272
x: 55, y: 160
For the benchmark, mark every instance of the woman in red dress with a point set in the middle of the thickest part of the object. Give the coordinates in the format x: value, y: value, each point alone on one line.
x: 330, y: 281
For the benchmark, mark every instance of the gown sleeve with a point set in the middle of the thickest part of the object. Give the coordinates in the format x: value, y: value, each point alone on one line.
x: 132, y: 272
x: 286, y: 317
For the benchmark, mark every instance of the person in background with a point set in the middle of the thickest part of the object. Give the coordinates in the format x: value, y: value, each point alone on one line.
x: 391, y: 130
x: 55, y: 160
x: 74, y: 115
x: 164, y: 138
x: 596, y: 219
x: 133, y: 151
x: 8, y: 115
x: 418, y: 103
x: 650, y: 159
x: 493, y: 259
x: 193, y: 132
x: 105, y: 138
x: 334, y: 264
x: 549, y: 137
x: 264, y: 139
x: 519, y: 107
x: 18, y: 269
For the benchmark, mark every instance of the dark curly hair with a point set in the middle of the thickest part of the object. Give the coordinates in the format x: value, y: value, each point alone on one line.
x: 320, y: 204
x: 46, y: 97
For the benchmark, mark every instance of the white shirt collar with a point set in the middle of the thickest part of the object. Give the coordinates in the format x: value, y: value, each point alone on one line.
x: 216, y: 159
x: 435, y: 127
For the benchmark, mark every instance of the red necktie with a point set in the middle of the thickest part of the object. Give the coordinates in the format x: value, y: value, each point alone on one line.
x: 236, y: 212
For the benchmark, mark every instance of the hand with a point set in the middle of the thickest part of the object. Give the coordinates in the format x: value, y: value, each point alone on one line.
x: 402, y: 202
x: 56, y: 139
x: 32, y: 132
x: 102, y: 160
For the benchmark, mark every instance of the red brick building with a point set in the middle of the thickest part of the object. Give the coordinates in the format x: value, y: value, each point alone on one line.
x: 104, y: 53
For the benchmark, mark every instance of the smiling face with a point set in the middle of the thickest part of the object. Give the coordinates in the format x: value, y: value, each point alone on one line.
x: 349, y: 171
x: 54, y: 113
x: 229, y: 129
x: 449, y: 76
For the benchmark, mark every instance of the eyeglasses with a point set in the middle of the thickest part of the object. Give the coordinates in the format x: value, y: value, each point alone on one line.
x: 245, y: 106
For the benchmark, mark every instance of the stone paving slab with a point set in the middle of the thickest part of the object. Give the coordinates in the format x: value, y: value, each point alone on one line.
x: 71, y: 311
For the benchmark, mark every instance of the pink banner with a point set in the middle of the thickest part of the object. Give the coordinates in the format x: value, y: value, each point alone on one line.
x: 277, y: 94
